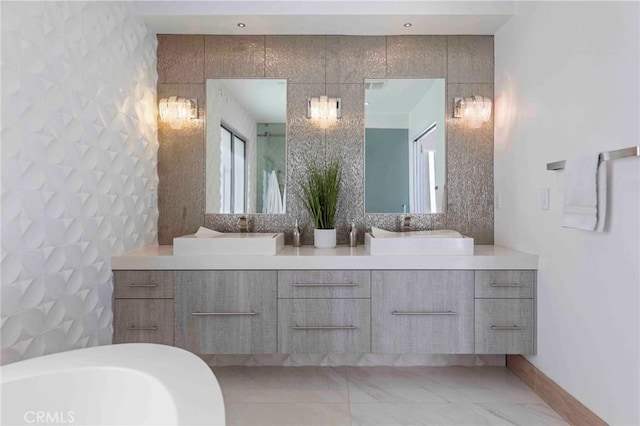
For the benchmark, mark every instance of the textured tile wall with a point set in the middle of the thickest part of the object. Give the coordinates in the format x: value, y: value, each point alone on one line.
x: 336, y: 66
x: 79, y: 149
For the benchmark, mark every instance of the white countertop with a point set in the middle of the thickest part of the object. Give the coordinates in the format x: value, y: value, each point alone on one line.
x: 308, y: 257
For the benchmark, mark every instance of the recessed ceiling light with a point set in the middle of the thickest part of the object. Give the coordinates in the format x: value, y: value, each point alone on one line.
x: 241, y: 24
x: 408, y: 24
x: 366, y: 103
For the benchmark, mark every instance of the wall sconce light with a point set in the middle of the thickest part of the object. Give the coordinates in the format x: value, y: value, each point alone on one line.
x: 324, y: 110
x: 474, y: 110
x: 176, y: 111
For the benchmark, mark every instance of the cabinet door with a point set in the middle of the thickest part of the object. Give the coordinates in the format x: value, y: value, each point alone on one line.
x: 143, y: 321
x: 324, y: 325
x: 324, y: 284
x: 505, y: 284
x: 226, y: 312
x: 143, y: 284
x: 505, y: 326
x: 422, y: 312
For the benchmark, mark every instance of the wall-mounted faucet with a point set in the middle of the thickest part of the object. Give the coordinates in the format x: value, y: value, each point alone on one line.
x: 242, y: 223
x: 406, y: 224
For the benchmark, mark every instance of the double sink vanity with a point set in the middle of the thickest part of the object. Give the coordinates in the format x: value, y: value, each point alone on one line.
x: 317, y: 301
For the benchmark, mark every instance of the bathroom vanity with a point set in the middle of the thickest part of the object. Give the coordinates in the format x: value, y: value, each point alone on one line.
x: 343, y: 300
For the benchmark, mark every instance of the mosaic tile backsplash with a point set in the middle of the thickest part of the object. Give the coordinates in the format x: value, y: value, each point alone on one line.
x: 335, y: 66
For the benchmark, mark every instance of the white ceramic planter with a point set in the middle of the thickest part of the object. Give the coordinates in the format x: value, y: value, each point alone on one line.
x: 324, y: 238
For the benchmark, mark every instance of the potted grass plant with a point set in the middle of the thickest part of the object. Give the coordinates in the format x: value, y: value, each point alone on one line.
x: 320, y: 195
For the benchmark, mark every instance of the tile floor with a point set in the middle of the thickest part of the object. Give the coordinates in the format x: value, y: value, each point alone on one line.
x: 385, y: 396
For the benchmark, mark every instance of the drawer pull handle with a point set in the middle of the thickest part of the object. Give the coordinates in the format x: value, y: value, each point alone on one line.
x: 324, y: 327
x: 143, y: 285
x: 323, y: 285
x: 422, y: 313
x: 507, y: 327
x: 134, y: 328
x: 506, y: 285
x: 223, y: 314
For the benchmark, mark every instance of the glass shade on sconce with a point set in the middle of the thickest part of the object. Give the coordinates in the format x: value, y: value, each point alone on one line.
x: 474, y: 110
x: 176, y: 111
x: 324, y: 110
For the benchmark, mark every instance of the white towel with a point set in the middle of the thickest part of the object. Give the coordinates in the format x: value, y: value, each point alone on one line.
x: 274, y: 199
x: 585, y: 193
x: 203, y: 232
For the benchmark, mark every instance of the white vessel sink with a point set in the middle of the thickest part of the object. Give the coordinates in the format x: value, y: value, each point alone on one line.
x: 442, y: 242
x: 235, y: 243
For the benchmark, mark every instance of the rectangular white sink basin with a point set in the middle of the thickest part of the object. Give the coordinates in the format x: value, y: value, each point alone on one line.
x: 235, y: 243
x: 418, y: 243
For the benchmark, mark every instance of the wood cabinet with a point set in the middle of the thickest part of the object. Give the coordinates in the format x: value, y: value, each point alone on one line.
x: 322, y: 284
x: 504, y: 326
x: 143, y: 321
x: 226, y: 312
x: 329, y: 311
x: 505, y: 312
x: 422, y: 312
x: 324, y: 325
x: 143, y: 307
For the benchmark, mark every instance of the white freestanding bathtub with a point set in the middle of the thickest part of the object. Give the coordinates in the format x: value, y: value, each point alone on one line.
x: 127, y: 384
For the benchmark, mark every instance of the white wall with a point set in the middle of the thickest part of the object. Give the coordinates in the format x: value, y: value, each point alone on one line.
x: 78, y: 160
x: 567, y: 83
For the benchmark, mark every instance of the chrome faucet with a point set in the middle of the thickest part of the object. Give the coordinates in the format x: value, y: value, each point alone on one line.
x: 242, y: 223
x: 406, y: 224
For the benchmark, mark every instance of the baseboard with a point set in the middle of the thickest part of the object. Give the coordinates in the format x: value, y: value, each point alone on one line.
x: 572, y: 411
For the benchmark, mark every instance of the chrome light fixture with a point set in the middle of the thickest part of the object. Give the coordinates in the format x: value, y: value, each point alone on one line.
x: 324, y: 110
x: 176, y: 111
x: 474, y: 110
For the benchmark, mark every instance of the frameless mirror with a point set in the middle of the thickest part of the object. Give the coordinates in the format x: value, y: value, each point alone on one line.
x: 405, y: 161
x: 246, y: 146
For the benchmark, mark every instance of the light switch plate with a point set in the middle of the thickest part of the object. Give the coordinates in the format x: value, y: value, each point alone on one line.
x: 152, y: 200
x: 544, y: 198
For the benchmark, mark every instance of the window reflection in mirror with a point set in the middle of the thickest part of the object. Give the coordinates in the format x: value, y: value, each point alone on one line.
x: 405, y: 159
x: 246, y: 146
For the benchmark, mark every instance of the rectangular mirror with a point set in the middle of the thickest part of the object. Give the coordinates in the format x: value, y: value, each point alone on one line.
x: 405, y: 138
x: 246, y: 146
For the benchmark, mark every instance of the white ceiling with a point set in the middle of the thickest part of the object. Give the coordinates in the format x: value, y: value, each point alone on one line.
x: 354, y: 17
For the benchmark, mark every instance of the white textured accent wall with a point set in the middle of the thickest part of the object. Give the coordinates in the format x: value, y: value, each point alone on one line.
x: 79, y: 152
x: 567, y: 83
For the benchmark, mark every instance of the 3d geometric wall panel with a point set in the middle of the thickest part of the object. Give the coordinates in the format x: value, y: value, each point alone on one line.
x: 79, y: 154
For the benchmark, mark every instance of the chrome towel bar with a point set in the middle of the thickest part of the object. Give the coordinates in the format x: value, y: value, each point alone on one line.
x: 323, y: 285
x: 324, y: 327
x: 632, y: 151
x: 422, y: 313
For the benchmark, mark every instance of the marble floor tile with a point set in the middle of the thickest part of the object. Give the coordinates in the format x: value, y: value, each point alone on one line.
x: 473, y: 384
x: 297, y: 414
x: 282, y: 384
x: 389, y: 384
x: 383, y: 396
x: 451, y: 414
x: 525, y: 414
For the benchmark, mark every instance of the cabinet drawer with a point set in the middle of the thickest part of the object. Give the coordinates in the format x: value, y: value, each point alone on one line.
x: 324, y: 325
x: 422, y: 312
x: 143, y: 321
x: 324, y: 284
x: 143, y: 284
x: 505, y: 284
x: 505, y: 326
x: 226, y: 312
